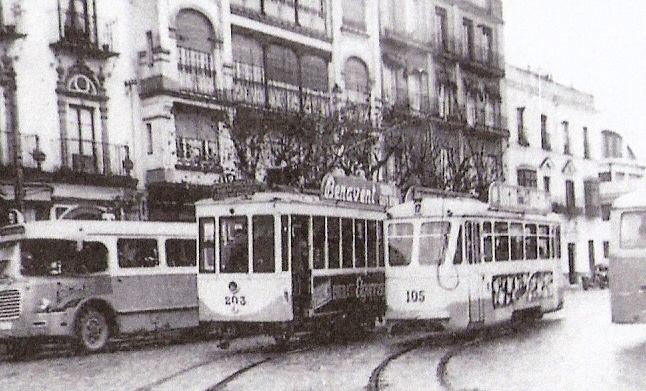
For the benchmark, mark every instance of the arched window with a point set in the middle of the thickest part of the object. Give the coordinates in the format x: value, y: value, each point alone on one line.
x: 356, y: 75
x: 194, y: 31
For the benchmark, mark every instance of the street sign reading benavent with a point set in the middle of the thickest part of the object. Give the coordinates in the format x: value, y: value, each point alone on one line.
x: 339, y: 187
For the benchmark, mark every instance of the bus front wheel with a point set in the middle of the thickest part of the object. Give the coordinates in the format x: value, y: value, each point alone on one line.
x: 92, y: 330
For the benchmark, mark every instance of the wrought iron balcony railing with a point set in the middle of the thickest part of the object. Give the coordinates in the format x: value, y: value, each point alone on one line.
x: 197, y: 154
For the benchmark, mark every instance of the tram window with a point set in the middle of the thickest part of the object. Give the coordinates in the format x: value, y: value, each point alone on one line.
x: 530, y: 241
x: 263, y: 244
x: 360, y: 242
x: 334, y: 239
x: 557, y: 241
x: 516, y: 241
x: 400, y: 243
x: 381, y: 252
x: 486, y: 227
x: 347, y: 243
x: 433, y: 240
x: 137, y: 253
x: 318, y: 238
x: 488, y: 247
x: 300, y: 242
x: 372, y: 243
x: 632, y: 230
x: 468, y: 242
x: 543, y: 241
x: 180, y: 252
x: 457, y: 257
x: 284, y: 240
x: 207, y: 244
x: 501, y: 241
x: 234, y: 244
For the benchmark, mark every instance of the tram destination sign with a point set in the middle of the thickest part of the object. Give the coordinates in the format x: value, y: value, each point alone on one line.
x: 358, y: 190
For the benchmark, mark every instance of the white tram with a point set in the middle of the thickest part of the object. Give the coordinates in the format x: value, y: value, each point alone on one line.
x: 456, y: 262
x: 280, y: 262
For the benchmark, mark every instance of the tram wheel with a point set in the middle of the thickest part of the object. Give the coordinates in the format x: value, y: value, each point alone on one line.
x: 92, y: 330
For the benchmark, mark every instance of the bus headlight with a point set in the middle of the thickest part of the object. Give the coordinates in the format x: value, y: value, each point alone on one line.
x: 44, y: 304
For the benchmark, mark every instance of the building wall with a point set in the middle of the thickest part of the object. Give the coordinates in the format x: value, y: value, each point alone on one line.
x: 540, y: 95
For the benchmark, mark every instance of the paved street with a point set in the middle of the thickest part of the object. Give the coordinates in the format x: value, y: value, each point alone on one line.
x: 575, y: 349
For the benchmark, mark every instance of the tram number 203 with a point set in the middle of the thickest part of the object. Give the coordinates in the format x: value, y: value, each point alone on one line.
x: 235, y: 300
x: 415, y: 296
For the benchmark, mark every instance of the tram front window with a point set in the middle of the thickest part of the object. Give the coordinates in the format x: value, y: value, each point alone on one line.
x: 433, y: 241
x: 234, y: 245
x: 400, y: 244
x: 632, y: 231
x: 263, y: 244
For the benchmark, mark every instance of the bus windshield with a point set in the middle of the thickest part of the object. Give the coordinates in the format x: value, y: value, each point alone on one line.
x: 56, y: 257
x: 7, y: 255
x: 632, y: 231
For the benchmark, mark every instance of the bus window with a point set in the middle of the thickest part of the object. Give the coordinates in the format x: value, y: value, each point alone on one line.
x: 347, y: 234
x: 284, y: 240
x: 543, y: 241
x: 530, y: 241
x: 234, y: 244
x: 333, y: 240
x: 457, y: 257
x: 372, y: 243
x: 487, y: 241
x: 54, y: 257
x: 263, y: 244
x: 381, y: 251
x: 180, y: 252
x: 400, y: 244
x: 516, y: 241
x: 300, y: 241
x: 360, y: 242
x: 433, y: 240
x: 501, y: 240
x: 632, y: 230
x: 137, y: 253
x: 318, y: 239
x: 207, y: 244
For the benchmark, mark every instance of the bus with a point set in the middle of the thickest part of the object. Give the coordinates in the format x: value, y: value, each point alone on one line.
x: 282, y: 262
x: 454, y: 262
x: 89, y: 281
x: 627, y: 267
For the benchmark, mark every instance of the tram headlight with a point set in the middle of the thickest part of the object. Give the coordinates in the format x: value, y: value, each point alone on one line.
x: 233, y: 287
x: 43, y: 305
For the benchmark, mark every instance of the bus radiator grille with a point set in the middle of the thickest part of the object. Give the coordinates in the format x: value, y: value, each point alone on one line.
x: 9, y: 304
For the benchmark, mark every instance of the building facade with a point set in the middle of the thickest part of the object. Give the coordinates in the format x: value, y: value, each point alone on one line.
x: 140, y: 107
x: 554, y: 145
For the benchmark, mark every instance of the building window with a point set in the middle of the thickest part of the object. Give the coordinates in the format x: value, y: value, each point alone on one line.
x: 586, y: 144
x: 605, y: 212
x: 487, y: 44
x: 441, y: 29
x: 197, y: 138
x: 356, y: 77
x: 591, y: 197
x: 606, y: 249
x: 566, y: 137
x: 545, y: 137
x: 82, y: 144
x: 282, y: 65
x: 612, y: 145
x: 79, y: 24
x: 467, y: 37
x: 605, y: 176
x: 149, y: 138
x: 570, y: 197
x: 520, y: 121
x: 314, y: 73
x: 526, y: 178
x: 546, y: 184
x: 354, y: 14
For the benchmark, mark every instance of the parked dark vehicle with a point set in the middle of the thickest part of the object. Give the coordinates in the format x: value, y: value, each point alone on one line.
x: 598, y: 279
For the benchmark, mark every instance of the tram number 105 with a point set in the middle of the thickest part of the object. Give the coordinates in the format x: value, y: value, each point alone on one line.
x: 415, y: 296
x: 235, y: 300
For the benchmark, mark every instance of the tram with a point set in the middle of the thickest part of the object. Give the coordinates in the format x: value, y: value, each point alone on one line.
x: 453, y: 262
x: 627, y: 268
x: 282, y: 262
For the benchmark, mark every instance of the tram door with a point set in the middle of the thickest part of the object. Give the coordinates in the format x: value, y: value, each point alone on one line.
x: 300, y: 262
x: 476, y: 274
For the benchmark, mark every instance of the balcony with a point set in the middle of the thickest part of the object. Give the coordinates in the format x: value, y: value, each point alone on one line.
x: 483, y: 60
x: 405, y: 107
x: 480, y: 121
x: 569, y: 211
x: 252, y: 89
x: 305, y: 17
x: 448, y: 48
x: 197, y: 155
x: 403, y: 39
x: 78, y: 33
x: 8, y: 33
